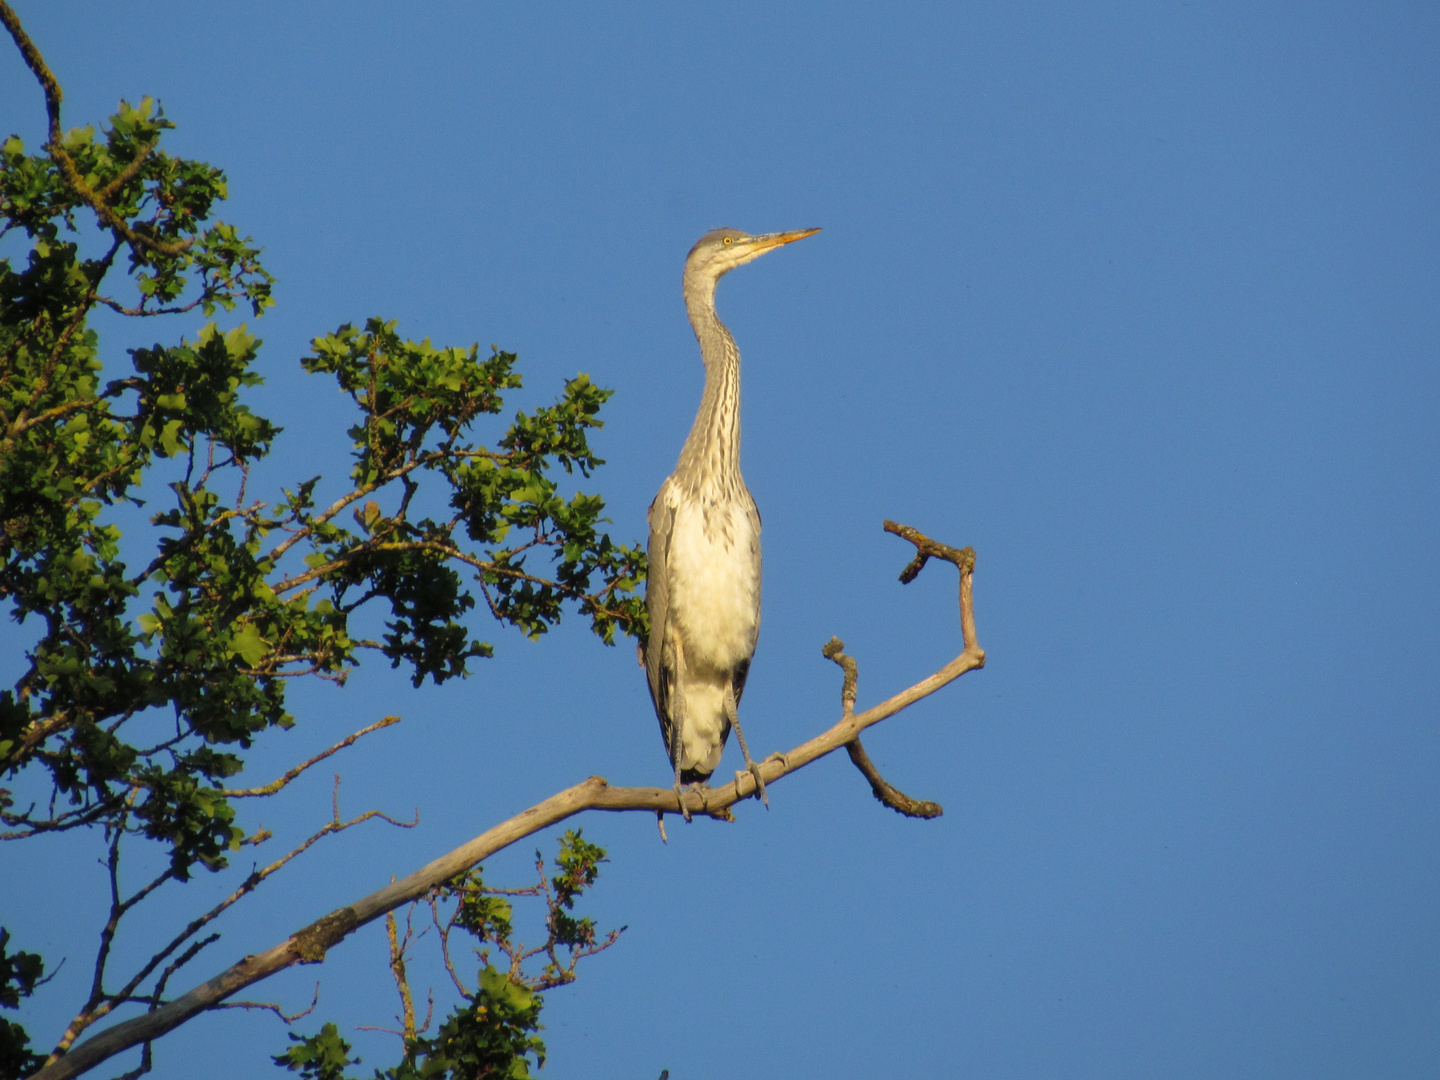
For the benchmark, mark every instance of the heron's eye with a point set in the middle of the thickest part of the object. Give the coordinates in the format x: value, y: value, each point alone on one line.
x: 729, y: 239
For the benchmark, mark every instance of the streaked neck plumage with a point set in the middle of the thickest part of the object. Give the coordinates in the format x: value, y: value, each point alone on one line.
x: 710, y: 459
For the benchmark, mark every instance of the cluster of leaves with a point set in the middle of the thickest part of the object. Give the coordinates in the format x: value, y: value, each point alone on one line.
x: 149, y: 676
x: 491, y: 1032
x: 485, y: 914
x: 20, y: 972
x: 416, y: 403
x: 71, y: 449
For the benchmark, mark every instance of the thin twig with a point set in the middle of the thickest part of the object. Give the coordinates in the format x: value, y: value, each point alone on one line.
x: 170, y: 969
x: 101, y: 1006
x: 443, y: 929
x: 146, y: 1063
x: 270, y: 1006
x: 834, y: 649
x: 275, y: 785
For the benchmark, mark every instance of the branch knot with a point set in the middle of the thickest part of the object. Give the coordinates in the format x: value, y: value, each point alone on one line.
x: 311, y: 944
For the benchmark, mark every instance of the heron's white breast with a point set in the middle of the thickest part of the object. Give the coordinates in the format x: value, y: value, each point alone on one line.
x: 714, y: 598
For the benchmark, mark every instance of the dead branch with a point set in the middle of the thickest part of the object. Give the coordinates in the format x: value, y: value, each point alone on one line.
x: 310, y: 944
x: 887, y: 793
x: 146, y: 1063
x: 443, y: 929
x: 270, y: 1006
x: 102, y: 1004
x: 179, y: 962
x: 275, y: 785
x: 834, y: 649
x: 402, y: 981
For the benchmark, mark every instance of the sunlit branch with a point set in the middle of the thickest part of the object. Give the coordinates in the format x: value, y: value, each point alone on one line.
x: 887, y: 793
x: 276, y: 785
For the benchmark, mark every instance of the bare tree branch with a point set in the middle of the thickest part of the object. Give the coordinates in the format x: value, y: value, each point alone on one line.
x: 402, y: 981
x: 146, y: 1062
x: 443, y: 928
x: 887, y: 793
x: 179, y: 962
x: 270, y: 1006
x: 101, y: 1004
x: 310, y: 944
x: 36, y: 63
x: 275, y: 785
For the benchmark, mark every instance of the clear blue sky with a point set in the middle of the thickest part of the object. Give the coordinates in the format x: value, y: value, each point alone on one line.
x: 1138, y: 299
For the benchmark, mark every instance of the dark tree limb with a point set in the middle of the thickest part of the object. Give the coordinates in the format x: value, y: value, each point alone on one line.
x: 926, y: 549
x: 36, y: 63
x: 310, y: 944
x: 270, y: 1006
x: 887, y: 793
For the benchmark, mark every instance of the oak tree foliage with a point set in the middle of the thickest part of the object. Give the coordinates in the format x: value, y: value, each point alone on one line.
x: 166, y: 602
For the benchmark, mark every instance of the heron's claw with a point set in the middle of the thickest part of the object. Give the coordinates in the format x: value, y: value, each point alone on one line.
x: 759, y: 782
x: 680, y: 793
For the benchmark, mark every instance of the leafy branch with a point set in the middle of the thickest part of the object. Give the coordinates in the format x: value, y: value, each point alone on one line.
x: 491, y: 1031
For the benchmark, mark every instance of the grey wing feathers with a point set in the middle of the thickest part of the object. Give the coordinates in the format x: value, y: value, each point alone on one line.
x: 742, y: 670
x: 661, y: 675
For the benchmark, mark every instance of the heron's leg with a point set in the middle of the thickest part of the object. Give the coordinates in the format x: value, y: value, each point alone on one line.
x: 731, y: 714
x: 679, y: 716
x: 680, y: 790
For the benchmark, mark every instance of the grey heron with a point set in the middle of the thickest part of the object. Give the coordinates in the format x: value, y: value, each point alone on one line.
x: 703, y: 593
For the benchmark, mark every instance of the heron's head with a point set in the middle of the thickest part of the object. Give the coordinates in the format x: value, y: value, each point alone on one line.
x: 721, y: 250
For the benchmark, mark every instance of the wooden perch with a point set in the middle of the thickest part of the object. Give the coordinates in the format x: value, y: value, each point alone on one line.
x: 310, y: 944
x: 887, y: 793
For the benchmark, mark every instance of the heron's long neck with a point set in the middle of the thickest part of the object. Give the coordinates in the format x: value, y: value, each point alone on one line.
x: 711, y: 455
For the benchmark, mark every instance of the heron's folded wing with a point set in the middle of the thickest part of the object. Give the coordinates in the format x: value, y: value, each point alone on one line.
x: 659, y: 673
x: 742, y: 670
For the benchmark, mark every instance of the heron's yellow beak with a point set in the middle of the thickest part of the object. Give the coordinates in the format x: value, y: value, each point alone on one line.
x: 776, y: 239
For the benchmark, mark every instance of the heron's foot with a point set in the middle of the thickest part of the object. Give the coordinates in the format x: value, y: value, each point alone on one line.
x: 754, y: 771
x: 700, y: 788
x: 745, y: 750
x: 784, y: 759
x: 760, y: 784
